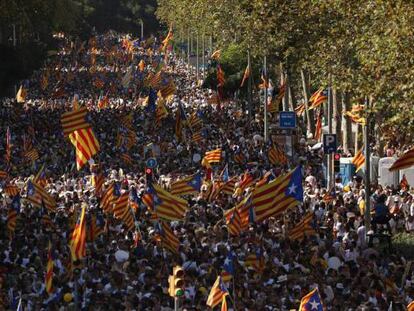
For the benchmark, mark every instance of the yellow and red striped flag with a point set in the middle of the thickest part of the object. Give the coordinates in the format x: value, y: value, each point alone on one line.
x: 404, y: 161
x: 404, y: 183
x: 233, y: 221
x: 168, y: 239
x: 11, y: 190
x: 108, y: 198
x: 78, y: 239
x: 256, y: 261
x: 318, y: 127
x: 224, y: 304
x: 123, y: 211
x: 358, y: 160
x: 49, y: 271
x: 246, y: 76
x: 221, y: 80
x: 167, y: 39
x: 3, y: 175
x: 168, y: 89
x: 355, y: 117
x: 217, y: 292
x: 228, y: 186
x: 168, y: 206
x: 21, y: 94
x: 86, y: 145
x: 74, y: 120
x: 141, y: 65
x: 213, y: 156
x: 36, y: 194
x: 31, y: 155
x: 216, y: 54
x: 300, y: 109
x: 187, y: 185
x: 318, y: 98
x: 303, y: 228
x: 277, y: 196
x: 197, y: 137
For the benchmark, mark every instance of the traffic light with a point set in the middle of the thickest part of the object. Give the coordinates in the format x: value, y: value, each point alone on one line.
x: 148, y: 175
x: 176, y: 282
x: 337, y: 162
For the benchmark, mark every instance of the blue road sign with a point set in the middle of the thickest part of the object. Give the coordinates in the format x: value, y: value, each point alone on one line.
x: 329, y: 143
x: 151, y: 163
x: 287, y: 119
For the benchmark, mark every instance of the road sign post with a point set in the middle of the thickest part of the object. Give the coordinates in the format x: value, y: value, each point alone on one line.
x: 287, y: 120
x: 329, y: 143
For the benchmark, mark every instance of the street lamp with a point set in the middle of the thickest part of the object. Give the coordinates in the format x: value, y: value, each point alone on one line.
x: 142, y: 29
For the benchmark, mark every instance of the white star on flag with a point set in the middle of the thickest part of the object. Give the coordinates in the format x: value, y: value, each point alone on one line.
x: 292, y: 188
x: 314, y: 304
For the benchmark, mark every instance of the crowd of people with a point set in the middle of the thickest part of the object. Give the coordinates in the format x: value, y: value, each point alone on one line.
x: 128, y: 269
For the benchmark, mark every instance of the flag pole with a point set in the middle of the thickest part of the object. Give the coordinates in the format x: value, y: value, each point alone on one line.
x: 367, y: 181
x: 204, y: 52
x: 249, y: 87
x: 265, y: 99
x: 197, y: 60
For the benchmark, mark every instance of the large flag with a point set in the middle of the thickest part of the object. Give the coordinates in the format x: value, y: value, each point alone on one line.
x: 49, y: 271
x: 256, y: 261
x: 168, y: 239
x: 168, y: 89
x: 218, y: 291
x: 123, y: 211
x: 74, y: 120
x: 97, y: 179
x: 80, y: 135
x: 168, y: 206
x: 303, y: 228
x: 187, y: 185
x: 311, y: 301
x: 276, y: 155
x: 246, y: 76
x: 277, y: 196
x: 228, y: 267
x: 21, y: 94
x: 228, y: 186
x: 358, y: 160
x: 404, y: 161
x: 233, y: 221
x: 36, y: 194
x: 264, y: 81
x: 213, y: 156
x: 318, y: 98
x: 86, y: 145
x: 109, y: 197
x: 78, y: 239
x: 195, y: 121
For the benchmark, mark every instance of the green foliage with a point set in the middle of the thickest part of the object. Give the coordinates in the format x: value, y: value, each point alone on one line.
x: 363, y: 48
x: 404, y: 244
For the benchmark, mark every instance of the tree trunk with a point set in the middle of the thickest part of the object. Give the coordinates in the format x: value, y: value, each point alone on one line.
x: 336, y: 114
x: 284, y: 73
x: 310, y: 124
x: 346, y: 123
